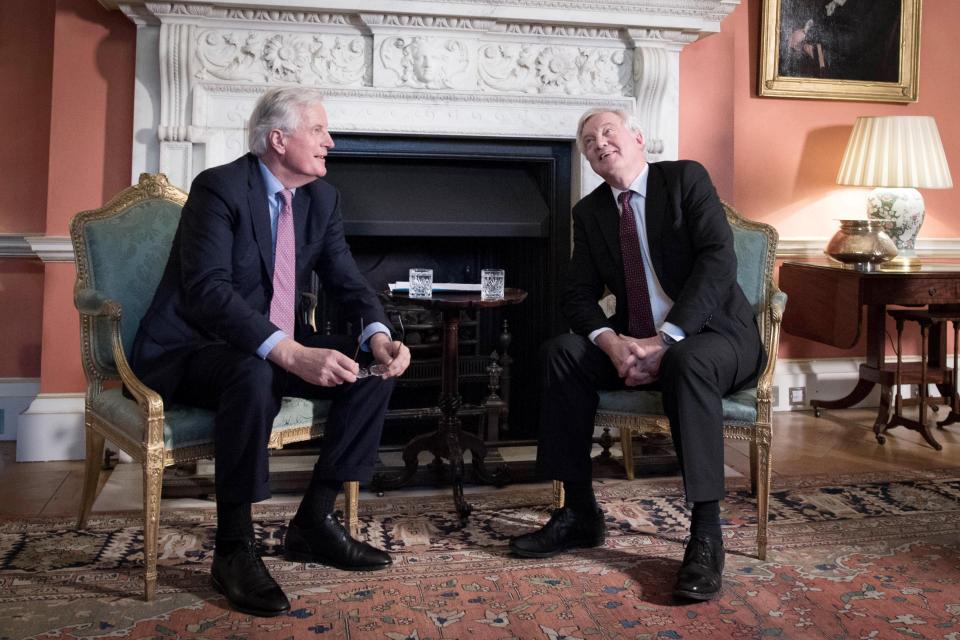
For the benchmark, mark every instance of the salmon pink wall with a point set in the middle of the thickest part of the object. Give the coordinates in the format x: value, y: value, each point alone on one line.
x: 91, y: 129
x: 26, y: 58
x: 21, y: 289
x: 781, y: 155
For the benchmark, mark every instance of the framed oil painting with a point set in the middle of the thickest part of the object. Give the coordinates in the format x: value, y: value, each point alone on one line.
x: 840, y: 49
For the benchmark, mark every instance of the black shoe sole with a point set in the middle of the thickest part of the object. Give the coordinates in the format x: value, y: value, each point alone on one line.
x: 694, y: 595
x: 301, y: 556
x: 523, y: 553
x: 253, y: 612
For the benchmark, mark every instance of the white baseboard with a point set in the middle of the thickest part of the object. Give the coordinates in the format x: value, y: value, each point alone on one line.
x: 822, y: 379
x: 52, y: 428
x: 16, y: 394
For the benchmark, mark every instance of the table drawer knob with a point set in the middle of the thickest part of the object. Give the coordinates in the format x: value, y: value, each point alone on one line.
x: 932, y: 291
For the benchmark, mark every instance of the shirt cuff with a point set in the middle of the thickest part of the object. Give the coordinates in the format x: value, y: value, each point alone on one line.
x: 596, y: 333
x: 369, y: 330
x: 673, y: 331
x: 267, y: 346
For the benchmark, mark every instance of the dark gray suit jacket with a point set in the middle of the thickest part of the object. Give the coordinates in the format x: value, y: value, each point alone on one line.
x: 218, y: 281
x: 691, y: 247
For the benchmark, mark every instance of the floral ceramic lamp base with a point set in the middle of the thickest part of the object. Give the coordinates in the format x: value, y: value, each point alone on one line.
x: 901, y: 211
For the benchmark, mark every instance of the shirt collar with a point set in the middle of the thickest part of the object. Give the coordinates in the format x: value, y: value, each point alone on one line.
x: 271, y: 182
x: 639, y: 184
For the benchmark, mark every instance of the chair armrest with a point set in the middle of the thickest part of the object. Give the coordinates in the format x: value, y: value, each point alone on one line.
x: 91, y: 302
x: 308, y: 308
x: 776, y: 307
x: 778, y: 304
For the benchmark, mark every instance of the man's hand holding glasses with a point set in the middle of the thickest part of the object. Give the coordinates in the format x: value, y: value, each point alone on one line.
x: 392, y: 356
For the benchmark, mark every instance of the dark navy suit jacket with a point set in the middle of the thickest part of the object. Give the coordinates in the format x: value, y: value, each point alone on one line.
x: 691, y: 248
x: 218, y: 281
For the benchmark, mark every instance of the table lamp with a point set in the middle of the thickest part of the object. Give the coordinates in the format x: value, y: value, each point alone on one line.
x: 897, y: 155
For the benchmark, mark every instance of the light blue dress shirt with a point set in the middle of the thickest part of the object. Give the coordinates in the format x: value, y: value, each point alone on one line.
x: 660, y: 302
x: 274, y: 204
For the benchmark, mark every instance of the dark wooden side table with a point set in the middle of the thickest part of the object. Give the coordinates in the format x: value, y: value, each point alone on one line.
x: 449, y: 441
x: 827, y: 306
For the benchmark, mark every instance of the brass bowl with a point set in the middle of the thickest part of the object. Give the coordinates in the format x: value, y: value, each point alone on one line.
x: 861, y: 245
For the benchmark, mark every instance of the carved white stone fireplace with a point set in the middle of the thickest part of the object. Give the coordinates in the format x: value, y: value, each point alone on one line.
x: 511, y: 68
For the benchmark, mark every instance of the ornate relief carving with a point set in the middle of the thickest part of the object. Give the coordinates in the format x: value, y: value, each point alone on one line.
x: 555, y: 69
x: 652, y: 75
x: 230, y: 55
x: 559, y: 30
x: 177, y: 9
x: 296, y: 17
x: 285, y: 56
x: 341, y: 62
x: 430, y: 63
x: 251, y: 56
x: 427, y: 22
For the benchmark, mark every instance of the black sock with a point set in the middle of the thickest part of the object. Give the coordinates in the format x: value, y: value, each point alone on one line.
x: 705, y: 519
x: 234, y: 525
x: 317, y: 502
x: 580, y: 498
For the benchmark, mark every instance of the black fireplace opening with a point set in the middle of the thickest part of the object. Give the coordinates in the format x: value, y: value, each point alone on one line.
x: 458, y: 206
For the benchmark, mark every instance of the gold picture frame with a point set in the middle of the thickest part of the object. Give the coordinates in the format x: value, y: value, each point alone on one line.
x: 866, y: 50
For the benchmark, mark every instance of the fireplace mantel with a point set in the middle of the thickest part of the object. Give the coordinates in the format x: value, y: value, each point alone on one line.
x: 482, y: 68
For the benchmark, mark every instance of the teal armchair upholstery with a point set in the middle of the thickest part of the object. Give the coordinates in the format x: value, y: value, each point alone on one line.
x: 121, y: 251
x: 747, y: 413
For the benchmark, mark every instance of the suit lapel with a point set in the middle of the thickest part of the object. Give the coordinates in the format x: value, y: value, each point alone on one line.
x: 260, y: 212
x: 608, y: 217
x: 656, y: 216
x: 301, y: 209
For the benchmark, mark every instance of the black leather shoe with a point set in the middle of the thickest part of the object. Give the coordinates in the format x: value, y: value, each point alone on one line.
x: 565, y: 530
x: 327, y: 542
x: 242, y: 577
x: 701, y: 574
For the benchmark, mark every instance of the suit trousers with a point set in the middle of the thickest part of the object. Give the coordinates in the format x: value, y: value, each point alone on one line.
x: 245, y: 391
x: 695, y: 374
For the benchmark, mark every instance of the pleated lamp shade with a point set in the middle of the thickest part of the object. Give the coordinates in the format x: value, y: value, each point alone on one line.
x: 895, y: 151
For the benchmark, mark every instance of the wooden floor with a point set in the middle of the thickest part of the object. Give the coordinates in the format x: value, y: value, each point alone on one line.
x: 838, y: 442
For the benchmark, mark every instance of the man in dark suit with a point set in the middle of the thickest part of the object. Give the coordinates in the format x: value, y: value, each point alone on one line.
x: 222, y: 332
x: 655, y: 236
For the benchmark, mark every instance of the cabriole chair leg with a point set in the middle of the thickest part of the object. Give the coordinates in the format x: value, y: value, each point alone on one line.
x: 91, y: 474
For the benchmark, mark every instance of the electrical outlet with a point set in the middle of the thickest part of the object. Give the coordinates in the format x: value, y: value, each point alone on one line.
x: 798, y: 395
x: 775, y: 396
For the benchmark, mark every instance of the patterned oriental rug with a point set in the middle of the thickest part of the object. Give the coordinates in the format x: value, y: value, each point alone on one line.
x: 851, y: 557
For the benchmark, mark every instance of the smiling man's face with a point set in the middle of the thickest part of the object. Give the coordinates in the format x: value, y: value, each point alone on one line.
x: 615, y: 152
x: 302, y: 153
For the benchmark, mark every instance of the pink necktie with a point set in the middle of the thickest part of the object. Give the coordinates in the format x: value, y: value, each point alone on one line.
x: 638, y: 296
x: 282, y: 310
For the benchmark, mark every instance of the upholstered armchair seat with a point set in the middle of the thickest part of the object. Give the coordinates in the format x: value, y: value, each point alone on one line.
x: 186, y: 427
x: 740, y: 406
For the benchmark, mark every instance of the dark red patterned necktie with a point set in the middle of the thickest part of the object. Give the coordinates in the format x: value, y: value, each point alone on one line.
x: 638, y: 296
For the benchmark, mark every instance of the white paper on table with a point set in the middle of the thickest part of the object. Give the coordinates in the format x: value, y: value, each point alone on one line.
x: 438, y: 286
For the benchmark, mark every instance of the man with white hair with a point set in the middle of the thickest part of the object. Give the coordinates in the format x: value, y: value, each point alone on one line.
x: 222, y: 332
x: 656, y: 236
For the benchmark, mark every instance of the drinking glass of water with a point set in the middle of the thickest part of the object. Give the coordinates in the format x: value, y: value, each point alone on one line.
x: 491, y: 284
x: 421, y: 283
